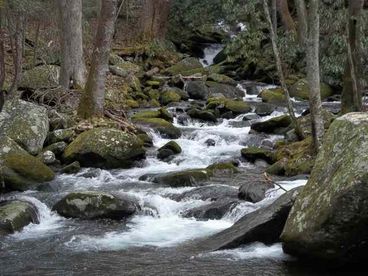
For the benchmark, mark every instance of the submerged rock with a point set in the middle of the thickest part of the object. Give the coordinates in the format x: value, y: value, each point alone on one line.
x: 20, y: 170
x: 329, y: 218
x: 16, y: 214
x: 96, y: 205
x: 105, y: 148
x: 263, y: 225
x: 26, y: 123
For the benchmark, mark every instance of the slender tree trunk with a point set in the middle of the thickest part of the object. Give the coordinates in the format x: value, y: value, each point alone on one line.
x: 302, y: 22
x: 92, y: 103
x: 17, y: 30
x: 351, y: 100
x: 274, y: 15
x: 73, y: 68
x: 280, y: 72
x: 2, y: 60
x: 286, y: 18
x: 154, y: 19
x: 313, y: 75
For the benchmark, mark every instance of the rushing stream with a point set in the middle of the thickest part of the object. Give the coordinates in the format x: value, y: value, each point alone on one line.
x: 150, y: 242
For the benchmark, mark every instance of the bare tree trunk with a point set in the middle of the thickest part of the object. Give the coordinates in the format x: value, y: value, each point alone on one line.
x: 17, y: 50
x: 286, y: 18
x: 73, y: 68
x: 154, y: 19
x: 274, y: 15
x: 313, y: 75
x: 92, y: 103
x: 2, y: 61
x: 280, y: 72
x: 302, y: 22
x: 351, y: 100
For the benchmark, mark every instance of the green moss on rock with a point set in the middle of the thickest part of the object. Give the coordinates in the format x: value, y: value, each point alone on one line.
x: 274, y: 96
x: 300, y: 90
x: 165, y: 128
x: 253, y: 154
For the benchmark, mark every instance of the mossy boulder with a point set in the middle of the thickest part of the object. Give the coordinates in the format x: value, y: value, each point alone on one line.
x: 186, y: 65
x: 197, y: 90
x: 274, y: 96
x: 20, y: 170
x: 204, y: 115
x: 188, y: 178
x: 222, y: 168
x: 165, y: 128
x: 272, y: 125
x: 118, y: 64
x: 16, y: 214
x: 161, y: 113
x: 328, y: 221
x: 96, y: 205
x: 221, y: 79
x: 60, y: 135
x: 168, y: 151
x: 253, y: 154
x: 229, y: 91
x: 173, y: 146
x: 40, y: 77
x: 300, y: 90
x: 26, y: 123
x: 293, y: 159
x: 105, y: 148
x: 169, y: 96
x: 224, y: 105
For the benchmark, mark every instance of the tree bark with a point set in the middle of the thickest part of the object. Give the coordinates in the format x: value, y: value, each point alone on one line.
x: 92, y: 102
x: 73, y: 68
x: 302, y: 22
x: 313, y: 75
x: 154, y: 19
x: 274, y: 15
x: 2, y: 61
x: 280, y: 72
x: 286, y: 18
x: 351, y: 100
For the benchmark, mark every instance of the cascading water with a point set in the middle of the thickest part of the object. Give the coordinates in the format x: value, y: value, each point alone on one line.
x: 157, y: 230
x: 210, y: 53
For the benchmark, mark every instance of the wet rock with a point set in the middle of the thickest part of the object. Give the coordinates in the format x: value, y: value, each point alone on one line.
x: 26, y: 123
x: 169, y: 96
x: 328, y: 220
x: 264, y: 109
x: 222, y: 168
x: 253, y: 153
x: 272, y: 125
x: 254, y: 190
x: 250, y: 117
x: 197, y: 90
x: 215, y: 210
x: 44, y: 76
x: 72, y: 168
x: 188, y: 178
x: 161, y: 113
x: 211, y: 193
x: 263, y: 225
x: 183, y: 119
x: 20, y: 170
x: 15, y: 214
x: 96, y: 205
x: 165, y: 128
x: 225, y: 105
x: 173, y: 146
x: 203, y: 115
x: 48, y: 157
x: 229, y: 91
x: 105, y: 148
x: 210, y: 143
x: 146, y: 139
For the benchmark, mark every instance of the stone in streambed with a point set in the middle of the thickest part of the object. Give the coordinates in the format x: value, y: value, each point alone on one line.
x: 165, y: 128
x: 203, y: 115
x: 253, y: 154
x: 16, y: 214
x: 272, y: 125
x: 72, y: 168
x: 96, y: 205
x: 161, y: 113
x: 197, y: 90
x: 254, y: 190
x: 211, y: 193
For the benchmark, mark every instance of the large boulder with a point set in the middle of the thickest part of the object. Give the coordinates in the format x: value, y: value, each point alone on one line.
x: 330, y: 216
x: 197, y: 90
x: 204, y: 115
x: 16, y: 214
x: 273, y: 96
x: 224, y: 106
x: 253, y: 154
x: 211, y: 193
x: 161, y: 113
x: 26, y: 123
x: 169, y: 96
x: 300, y: 90
x: 44, y: 76
x: 254, y: 190
x: 18, y: 169
x: 263, y: 225
x: 188, y: 178
x: 229, y: 91
x: 96, y: 205
x: 105, y: 148
x: 168, y: 151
